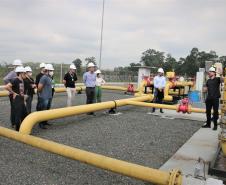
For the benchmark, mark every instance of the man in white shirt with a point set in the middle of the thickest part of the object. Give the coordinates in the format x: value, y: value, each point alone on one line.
x: 159, y: 85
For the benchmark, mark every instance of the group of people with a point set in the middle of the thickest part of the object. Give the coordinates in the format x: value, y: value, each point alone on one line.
x: 22, y: 86
x: 92, y: 79
x: 212, y: 88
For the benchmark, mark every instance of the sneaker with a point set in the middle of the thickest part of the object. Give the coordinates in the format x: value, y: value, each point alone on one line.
x: 206, y: 126
x: 161, y: 111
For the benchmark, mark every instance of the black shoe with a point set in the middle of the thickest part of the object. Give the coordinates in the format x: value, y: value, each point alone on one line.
x: 153, y: 110
x: 91, y: 113
x: 206, y: 126
x: 161, y: 111
x: 42, y: 126
x: 215, y: 127
x: 47, y: 124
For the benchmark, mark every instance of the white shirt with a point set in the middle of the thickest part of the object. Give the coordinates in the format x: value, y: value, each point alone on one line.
x: 99, y: 81
x: 159, y: 82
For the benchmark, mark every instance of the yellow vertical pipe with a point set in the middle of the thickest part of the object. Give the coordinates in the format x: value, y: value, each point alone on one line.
x: 100, y: 161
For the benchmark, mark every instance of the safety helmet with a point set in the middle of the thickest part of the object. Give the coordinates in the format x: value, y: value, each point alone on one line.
x: 20, y: 69
x: 72, y: 66
x: 98, y: 71
x: 49, y: 67
x: 28, y: 69
x: 90, y: 65
x: 42, y: 65
x: 160, y: 70
x: 17, y: 62
x: 212, y: 69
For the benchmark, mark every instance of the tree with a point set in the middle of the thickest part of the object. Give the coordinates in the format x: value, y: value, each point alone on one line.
x: 152, y: 58
x: 78, y: 63
x: 134, y: 67
x: 170, y: 63
x: 90, y: 59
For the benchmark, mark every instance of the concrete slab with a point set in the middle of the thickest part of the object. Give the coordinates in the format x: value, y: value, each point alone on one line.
x: 202, y: 144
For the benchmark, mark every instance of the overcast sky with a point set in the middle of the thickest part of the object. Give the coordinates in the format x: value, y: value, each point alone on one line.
x: 60, y: 31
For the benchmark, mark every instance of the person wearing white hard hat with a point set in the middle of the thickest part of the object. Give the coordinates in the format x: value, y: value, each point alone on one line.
x: 99, y: 82
x: 69, y: 81
x: 8, y: 78
x: 159, y: 85
x: 89, y: 79
x: 42, y: 72
x: 37, y: 79
x: 17, y: 89
x: 212, y: 99
x: 29, y: 88
x: 45, y: 91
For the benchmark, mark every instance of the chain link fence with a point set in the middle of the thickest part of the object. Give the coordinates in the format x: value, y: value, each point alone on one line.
x: 61, y: 69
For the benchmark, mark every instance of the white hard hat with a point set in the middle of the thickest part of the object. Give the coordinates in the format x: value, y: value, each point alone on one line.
x: 20, y: 69
x: 91, y: 65
x: 72, y: 66
x: 98, y: 71
x: 212, y: 69
x: 49, y: 67
x: 28, y: 69
x: 17, y: 62
x: 42, y: 65
x: 160, y: 70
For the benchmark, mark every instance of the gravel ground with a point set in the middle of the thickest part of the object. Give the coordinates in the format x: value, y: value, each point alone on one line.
x: 133, y: 136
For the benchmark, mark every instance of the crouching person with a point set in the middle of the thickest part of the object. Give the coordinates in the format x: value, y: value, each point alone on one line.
x: 45, y: 92
x: 16, y: 88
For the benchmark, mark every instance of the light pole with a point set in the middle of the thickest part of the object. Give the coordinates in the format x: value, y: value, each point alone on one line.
x: 101, y: 34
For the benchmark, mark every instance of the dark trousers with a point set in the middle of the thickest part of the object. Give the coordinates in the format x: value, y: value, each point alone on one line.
x: 212, y: 103
x: 158, y: 97
x: 29, y: 103
x: 20, y: 111
x: 90, y: 95
x: 12, y: 117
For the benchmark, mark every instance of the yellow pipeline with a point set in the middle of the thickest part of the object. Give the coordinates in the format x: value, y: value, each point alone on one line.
x: 100, y: 161
x: 4, y: 93
x: 163, y: 106
x: 222, y: 136
x: 36, y: 117
x: 78, y: 88
x: 170, y: 85
x: 63, y: 89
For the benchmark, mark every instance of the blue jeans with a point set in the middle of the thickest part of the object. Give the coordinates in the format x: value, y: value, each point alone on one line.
x: 44, y: 104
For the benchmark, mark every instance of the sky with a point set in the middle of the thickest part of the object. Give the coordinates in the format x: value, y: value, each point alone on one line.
x: 61, y: 31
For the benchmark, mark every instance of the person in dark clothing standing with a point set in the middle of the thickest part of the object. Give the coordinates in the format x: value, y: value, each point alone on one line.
x: 8, y: 78
x: 37, y: 79
x: 69, y: 81
x: 16, y: 88
x: 89, y: 79
x: 29, y: 88
x: 212, y: 100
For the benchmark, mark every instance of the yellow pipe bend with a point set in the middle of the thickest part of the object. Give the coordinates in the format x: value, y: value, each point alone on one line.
x: 118, y: 166
x: 40, y: 116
